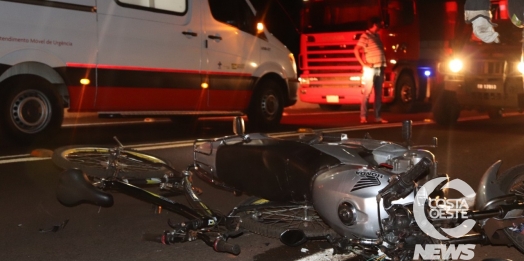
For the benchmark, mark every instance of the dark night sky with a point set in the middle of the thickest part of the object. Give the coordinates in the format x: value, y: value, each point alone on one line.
x: 282, y: 18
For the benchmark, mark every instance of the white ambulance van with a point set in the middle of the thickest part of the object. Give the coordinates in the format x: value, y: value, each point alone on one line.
x: 181, y: 59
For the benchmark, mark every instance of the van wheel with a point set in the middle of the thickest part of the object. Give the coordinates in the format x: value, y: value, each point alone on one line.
x: 446, y: 109
x: 404, y: 95
x: 267, y: 106
x: 31, y: 109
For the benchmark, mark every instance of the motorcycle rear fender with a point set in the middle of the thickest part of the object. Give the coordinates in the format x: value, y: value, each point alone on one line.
x: 488, y: 187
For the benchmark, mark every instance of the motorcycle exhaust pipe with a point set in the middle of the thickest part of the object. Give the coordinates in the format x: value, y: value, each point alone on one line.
x: 468, y: 239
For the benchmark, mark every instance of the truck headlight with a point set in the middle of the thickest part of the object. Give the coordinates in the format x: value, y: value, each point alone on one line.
x: 455, y: 65
x: 520, y: 67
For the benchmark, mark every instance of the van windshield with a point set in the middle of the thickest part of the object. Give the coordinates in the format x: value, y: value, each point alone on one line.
x: 338, y: 15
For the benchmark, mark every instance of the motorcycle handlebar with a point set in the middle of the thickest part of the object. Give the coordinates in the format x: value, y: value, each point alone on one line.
x: 399, y: 188
x: 417, y: 170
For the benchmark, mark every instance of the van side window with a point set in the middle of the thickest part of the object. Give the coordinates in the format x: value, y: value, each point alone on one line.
x: 169, y: 6
x: 235, y: 13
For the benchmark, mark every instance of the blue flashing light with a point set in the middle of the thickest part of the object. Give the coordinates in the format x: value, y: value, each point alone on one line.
x: 427, y: 73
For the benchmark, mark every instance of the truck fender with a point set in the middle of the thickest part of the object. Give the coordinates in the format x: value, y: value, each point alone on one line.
x: 488, y: 186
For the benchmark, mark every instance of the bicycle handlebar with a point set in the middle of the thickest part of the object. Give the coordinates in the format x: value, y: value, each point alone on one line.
x: 165, y: 238
x: 221, y: 245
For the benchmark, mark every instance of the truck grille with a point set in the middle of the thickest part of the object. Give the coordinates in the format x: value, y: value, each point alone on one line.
x: 487, y: 67
x: 330, y: 59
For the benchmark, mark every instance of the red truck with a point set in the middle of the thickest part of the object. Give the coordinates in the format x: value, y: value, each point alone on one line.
x: 418, y: 36
x: 483, y: 77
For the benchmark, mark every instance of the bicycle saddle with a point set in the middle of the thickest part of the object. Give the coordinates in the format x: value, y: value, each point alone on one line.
x: 74, y: 188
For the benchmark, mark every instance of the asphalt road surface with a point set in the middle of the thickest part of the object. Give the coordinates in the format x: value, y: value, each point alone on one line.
x: 36, y: 227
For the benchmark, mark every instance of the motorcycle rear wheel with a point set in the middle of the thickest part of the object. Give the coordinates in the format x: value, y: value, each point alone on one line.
x: 508, y: 180
x: 270, y: 219
x: 94, y: 161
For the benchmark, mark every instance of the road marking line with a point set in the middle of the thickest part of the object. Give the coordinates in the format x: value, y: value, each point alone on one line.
x: 25, y: 159
x: 187, y: 143
x: 326, y: 255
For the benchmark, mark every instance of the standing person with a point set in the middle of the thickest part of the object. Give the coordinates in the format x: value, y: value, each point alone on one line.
x: 369, y: 51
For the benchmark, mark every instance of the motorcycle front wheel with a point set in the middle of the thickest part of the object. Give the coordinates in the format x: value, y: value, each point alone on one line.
x: 270, y: 219
x: 511, y: 182
x: 104, y: 162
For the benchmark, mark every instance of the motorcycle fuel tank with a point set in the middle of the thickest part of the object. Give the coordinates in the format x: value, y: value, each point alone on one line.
x: 346, y: 198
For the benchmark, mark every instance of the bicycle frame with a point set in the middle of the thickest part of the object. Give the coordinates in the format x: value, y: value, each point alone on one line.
x: 74, y: 188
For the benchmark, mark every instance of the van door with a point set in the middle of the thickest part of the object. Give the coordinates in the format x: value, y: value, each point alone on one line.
x: 149, y: 56
x: 231, y: 52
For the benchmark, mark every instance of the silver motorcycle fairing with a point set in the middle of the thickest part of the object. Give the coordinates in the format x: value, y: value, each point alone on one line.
x: 396, y: 156
x: 357, y: 180
x: 358, y: 186
x: 488, y: 187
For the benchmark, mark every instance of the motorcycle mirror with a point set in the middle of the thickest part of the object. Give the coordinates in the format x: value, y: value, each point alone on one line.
x: 293, y: 237
x: 238, y: 126
x: 406, y: 131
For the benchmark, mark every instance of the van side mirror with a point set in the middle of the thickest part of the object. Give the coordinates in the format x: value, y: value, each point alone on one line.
x: 238, y: 126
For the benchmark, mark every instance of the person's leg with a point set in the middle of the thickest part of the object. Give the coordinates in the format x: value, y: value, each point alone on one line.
x: 366, y: 85
x: 378, y: 80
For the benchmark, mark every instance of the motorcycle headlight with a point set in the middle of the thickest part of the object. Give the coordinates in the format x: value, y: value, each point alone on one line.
x: 455, y: 65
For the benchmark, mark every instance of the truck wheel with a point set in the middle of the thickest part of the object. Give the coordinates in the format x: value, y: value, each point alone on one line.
x: 404, y: 95
x: 267, y: 105
x: 446, y: 109
x: 31, y: 109
x: 330, y: 107
x: 495, y: 113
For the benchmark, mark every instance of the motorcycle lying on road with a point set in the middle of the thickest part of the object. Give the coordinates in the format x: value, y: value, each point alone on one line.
x: 364, y: 196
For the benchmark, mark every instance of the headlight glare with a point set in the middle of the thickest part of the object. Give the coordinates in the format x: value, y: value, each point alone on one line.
x: 455, y: 65
x: 520, y: 67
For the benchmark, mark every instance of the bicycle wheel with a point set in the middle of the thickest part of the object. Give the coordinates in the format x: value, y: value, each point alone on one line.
x: 95, y: 161
x: 269, y: 219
